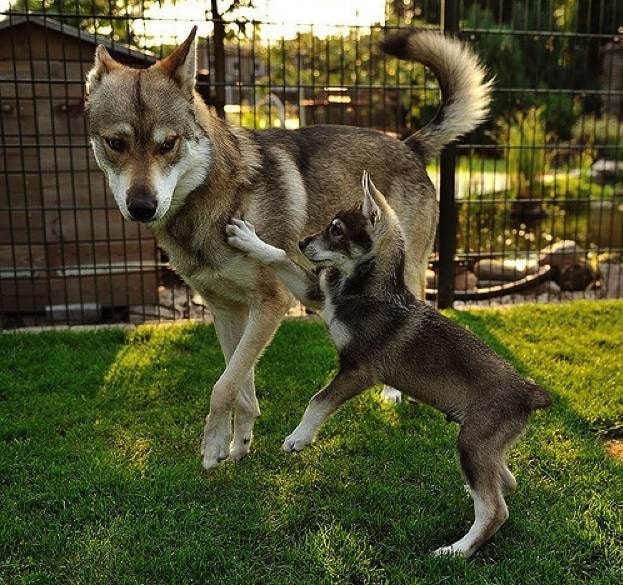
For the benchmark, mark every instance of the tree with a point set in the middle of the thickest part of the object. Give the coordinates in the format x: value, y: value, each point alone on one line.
x: 217, y: 13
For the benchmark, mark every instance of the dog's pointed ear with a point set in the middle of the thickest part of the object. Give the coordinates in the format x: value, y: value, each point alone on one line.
x: 181, y: 64
x: 103, y: 65
x: 370, y: 208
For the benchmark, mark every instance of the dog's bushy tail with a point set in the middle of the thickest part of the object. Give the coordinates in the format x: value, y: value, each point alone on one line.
x: 465, y: 92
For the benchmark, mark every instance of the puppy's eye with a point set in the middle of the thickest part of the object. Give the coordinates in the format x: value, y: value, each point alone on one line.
x: 167, y: 146
x: 336, y: 229
x: 116, y: 144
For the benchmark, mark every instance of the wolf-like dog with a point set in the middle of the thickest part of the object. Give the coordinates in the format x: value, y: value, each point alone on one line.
x: 384, y: 335
x: 182, y: 171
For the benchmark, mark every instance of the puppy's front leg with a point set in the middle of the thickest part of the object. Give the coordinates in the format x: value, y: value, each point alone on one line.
x: 345, y: 385
x: 300, y: 282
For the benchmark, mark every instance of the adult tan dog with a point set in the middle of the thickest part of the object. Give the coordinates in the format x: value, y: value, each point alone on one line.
x: 184, y: 172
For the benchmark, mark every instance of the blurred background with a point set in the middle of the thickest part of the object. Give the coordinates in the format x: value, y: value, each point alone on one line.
x: 533, y: 198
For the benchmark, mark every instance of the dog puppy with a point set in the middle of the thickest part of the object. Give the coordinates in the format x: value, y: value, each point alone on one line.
x: 385, y: 335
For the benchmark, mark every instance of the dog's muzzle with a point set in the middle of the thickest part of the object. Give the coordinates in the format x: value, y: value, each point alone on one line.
x: 141, y: 203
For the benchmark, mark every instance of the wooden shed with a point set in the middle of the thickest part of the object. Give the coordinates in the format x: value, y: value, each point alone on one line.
x: 63, y: 241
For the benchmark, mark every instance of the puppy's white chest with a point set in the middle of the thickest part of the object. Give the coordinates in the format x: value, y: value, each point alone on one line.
x: 338, y: 330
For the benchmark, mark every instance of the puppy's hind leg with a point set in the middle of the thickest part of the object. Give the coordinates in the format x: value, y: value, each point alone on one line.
x: 509, y: 483
x: 481, y: 463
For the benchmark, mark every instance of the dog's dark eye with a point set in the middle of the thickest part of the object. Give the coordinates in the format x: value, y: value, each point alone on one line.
x: 336, y: 230
x: 116, y: 144
x: 167, y: 146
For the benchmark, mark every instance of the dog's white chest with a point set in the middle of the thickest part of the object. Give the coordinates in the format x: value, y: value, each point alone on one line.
x: 235, y: 281
x: 339, y: 331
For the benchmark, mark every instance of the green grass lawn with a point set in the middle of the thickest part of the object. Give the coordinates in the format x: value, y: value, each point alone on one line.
x: 101, y: 481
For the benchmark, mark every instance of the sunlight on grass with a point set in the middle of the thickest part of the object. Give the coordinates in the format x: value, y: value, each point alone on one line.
x: 102, y: 481
x: 133, y: 450
x: 345, y: 554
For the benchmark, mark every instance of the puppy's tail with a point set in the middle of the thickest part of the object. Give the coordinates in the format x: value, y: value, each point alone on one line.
x: 465, y: 93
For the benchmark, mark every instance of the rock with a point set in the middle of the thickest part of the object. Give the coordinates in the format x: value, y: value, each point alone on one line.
x: 73, y: 313
x: 575, y: 276
x: 464, y: 279
x: 607, y: 172
x: 605, y: 222
x: 611, y: 277
x: 549, y: 288
x: 504, y: 270
x: 562, y: 254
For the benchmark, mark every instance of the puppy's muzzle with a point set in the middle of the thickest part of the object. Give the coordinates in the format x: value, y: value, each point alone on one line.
x: 303, y: 243
x: 141, y: 202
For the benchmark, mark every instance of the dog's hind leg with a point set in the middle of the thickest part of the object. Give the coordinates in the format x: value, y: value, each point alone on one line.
x: 481, y: 462
x: 323, y: 404
x: 235, y: 388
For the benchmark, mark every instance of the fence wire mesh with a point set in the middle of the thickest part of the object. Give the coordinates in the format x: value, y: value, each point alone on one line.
x: 539, y: 185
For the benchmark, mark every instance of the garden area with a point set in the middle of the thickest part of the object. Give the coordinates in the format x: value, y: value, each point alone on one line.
x: 102, y: 481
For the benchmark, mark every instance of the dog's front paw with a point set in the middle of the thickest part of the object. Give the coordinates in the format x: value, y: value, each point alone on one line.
x: 240, y: 446
x: 297, y: 441
x: 215, y: 442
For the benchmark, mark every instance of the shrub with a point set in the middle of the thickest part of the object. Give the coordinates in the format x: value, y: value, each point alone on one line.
x: 527, y: 161
x: 603, y: 135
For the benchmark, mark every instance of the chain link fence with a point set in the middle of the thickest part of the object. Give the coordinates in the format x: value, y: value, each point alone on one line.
x: 532, y: 202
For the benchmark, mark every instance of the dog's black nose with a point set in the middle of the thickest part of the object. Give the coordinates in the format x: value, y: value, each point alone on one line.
x: 303, y: 243
x: 141, y: 204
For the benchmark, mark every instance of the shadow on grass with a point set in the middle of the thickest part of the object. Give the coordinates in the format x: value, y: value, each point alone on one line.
x: 124, y: 496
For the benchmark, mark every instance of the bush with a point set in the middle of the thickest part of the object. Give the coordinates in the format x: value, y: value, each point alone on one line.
x: 527, y: 161
x: 603, y: 135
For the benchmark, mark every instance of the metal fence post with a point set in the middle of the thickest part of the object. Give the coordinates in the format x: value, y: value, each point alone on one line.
x: 447, y: 209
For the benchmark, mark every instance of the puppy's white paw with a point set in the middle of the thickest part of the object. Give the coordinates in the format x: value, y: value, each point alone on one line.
x: 449, y: 551
x: 391, y: 395
x: 297, y: 441
x: 241, y: 234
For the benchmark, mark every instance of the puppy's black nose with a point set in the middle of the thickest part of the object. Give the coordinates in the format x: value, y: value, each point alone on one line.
x: 303, y: 243
x: 142, y: 204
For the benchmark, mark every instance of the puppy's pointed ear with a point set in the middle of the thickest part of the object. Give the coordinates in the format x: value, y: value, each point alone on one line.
x: 181, y: 64
x: 103, y: 65
x: 369, y: 207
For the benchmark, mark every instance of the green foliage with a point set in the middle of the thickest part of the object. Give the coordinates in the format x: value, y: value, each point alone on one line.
x: 603, y: 135
x: 101, y: 479
x: 541, y: 61
x: 527, y: 161
x: 108, y: 11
